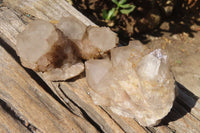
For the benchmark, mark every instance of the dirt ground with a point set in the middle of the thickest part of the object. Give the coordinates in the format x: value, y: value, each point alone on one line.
x: 147, y: 16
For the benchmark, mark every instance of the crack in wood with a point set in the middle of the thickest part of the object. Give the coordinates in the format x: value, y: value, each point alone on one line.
x: 120, y: 125
x: 86, y: 116
x: 17, y: 117
x: 119, y: 122
x: 69, y: 105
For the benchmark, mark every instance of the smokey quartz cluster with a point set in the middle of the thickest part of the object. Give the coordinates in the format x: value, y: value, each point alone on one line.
x: 91, y: 42
x: 132, y: 81
x: 42, y: 47
x: 57, y: 51
x: 135, y: 82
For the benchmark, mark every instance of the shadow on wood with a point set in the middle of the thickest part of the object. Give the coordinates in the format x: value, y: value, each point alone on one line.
x: 179, y: 109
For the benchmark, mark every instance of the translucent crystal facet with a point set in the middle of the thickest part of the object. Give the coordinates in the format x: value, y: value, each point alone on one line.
x: 136, y: 83
x: 44, y: 48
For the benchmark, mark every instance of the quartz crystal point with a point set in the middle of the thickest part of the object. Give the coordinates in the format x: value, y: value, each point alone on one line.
x: 96, y: 42
x: 72, y: 28
x: 91, y: 42
x: 44, y: 48
x: 135, y: 83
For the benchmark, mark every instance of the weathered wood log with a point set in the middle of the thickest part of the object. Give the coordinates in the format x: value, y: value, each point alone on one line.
x: 31, y: 104
x: 74, y: 94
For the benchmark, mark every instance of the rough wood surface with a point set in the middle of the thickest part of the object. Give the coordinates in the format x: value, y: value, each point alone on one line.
x: 47, y: 9
x: 8, y: 123
x: 74, y: 94
x: 29, y: 102
x: 186, y: 124
x: 78, y: 92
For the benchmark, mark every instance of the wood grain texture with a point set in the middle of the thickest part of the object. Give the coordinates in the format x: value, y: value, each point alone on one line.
x: 31, y: 104
x: 79, y: 91
x: 129, y: 125
x: 10, y: 25
x: 163, y: 129
x: 186, y: 124
x: 47, y: 9
x: 8, y: 124
x: 75, y: 93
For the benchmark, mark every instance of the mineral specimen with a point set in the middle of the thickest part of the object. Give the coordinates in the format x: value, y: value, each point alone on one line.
x: 97, y: 41
x: 72, y: 28
x: 91, y: 42
x: 44, y: 48
x: 135, y: 82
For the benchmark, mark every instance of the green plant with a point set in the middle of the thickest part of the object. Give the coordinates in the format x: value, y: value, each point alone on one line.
x: 121, y: 6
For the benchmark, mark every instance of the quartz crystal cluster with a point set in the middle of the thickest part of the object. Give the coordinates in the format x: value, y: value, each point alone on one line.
x: 132, y: 81
x: 42, y: 47
x: 91, y: 42
x: 57, y: 51
x: 135, y: 82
